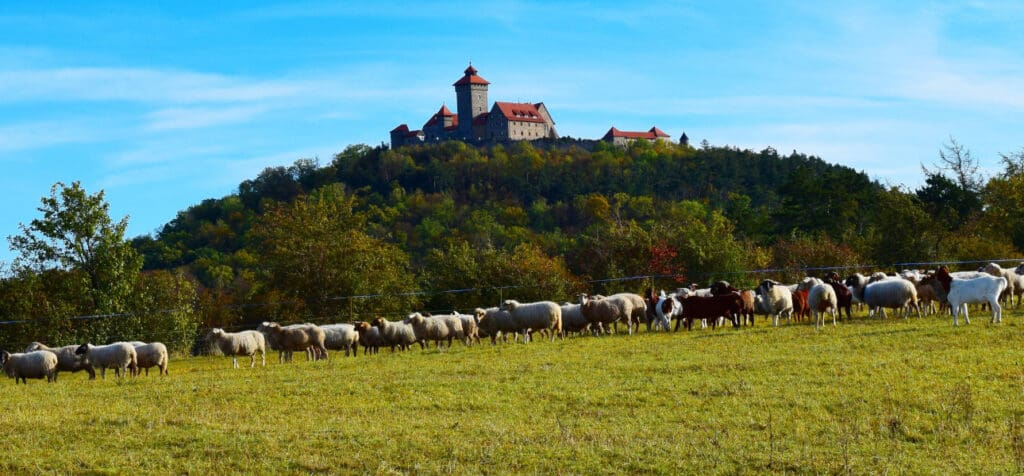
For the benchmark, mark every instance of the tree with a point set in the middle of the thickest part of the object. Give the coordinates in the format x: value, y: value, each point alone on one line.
x: 77, y: 235
x: 313, y: 251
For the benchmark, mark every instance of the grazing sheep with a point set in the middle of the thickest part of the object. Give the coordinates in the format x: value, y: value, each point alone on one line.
x: 601, y: 313
x: 341, y: 337
x: 149, y: 355
x: 538, y: 316
x: 961, y: 292
x: 638, y: 310
x: 38, y: 364
x: 119, y: 356
x: 396, y: 333
x: 436, y: 328
x: 711, y: 308
x: 297, y: 338
x: 369, y: 337
x: 844, y: 297
x: 67, y: 359
x: 927, y: 296
x: 1014, y: 282
x: 470, y: 327
x: 801, y: 307
x: 233, y: 344
x: 777, y: 300
x: 748, y: 298
x: 894, y: 293
x: 572, y: 318
x: 666, y: 308
x: 493, y: 321
x: 821, y: 298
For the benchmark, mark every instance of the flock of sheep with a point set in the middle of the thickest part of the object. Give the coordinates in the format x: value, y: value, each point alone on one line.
x: 126, y: 358
x: 909, y: 291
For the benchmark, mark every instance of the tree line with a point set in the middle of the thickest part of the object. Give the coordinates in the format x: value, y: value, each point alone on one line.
x: 376, y: 230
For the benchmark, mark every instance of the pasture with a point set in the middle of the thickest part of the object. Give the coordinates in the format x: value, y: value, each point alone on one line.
x: 868, y: 396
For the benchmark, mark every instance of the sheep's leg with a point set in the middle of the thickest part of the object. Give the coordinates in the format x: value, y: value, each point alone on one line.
x: 967, y: 316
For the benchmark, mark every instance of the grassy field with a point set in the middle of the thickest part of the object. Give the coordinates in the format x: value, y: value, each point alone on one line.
x: 868, y: 396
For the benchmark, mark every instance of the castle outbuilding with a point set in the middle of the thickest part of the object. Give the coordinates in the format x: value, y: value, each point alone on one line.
x: 473, y: 122
x: 618, y: 137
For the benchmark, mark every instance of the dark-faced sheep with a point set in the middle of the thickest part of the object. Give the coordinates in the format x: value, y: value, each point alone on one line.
x: 119, y: 356
x: 67, y: 359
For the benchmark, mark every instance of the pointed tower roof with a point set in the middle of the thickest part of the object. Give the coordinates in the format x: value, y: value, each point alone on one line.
x: 471, y: 77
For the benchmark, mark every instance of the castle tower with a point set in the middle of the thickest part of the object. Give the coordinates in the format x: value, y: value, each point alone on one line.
x: 471, y: 95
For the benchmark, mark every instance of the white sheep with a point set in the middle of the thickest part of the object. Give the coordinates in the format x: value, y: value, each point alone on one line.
x: 889, y: 292
x: 341, y: 337
x: 777, y: 299
x: 470, y: 327
x: 572, y: 318
x: 961, y: 292
x: 38, y: 364
x: 637, y: 310
x: 604, y: 312
x: 822, y: 298
x: 494, y: 321
x: 536, y: 316
x: 369, y: 337
x: 396, y: 333
x: 119, y: 356
x: 233, y: 344
x: 67, y: 359
x: 437, y: 328
x: 149, y: 355
x: 297, y: 337
x: 1014, y: 282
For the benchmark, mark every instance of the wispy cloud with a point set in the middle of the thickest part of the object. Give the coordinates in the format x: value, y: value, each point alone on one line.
x: 196, y: 117
x: 42, y: 134
x: 139, y: 85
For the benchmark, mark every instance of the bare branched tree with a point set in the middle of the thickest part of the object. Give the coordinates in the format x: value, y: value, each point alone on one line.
x: 957, y: 159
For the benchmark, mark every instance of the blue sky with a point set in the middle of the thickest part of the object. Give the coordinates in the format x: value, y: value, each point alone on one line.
x: 164, y: 105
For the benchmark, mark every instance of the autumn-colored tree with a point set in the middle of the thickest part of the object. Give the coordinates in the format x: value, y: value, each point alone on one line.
x: 315, y: 253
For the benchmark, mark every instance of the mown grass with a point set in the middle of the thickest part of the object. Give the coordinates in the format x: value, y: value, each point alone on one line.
x: 869, y: 396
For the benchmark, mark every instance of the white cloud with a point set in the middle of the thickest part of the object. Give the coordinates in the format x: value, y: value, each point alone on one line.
x: 197, y: 117
x: 41, y: 134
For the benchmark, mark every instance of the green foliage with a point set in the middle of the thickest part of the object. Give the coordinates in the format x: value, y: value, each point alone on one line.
x: 313, y: 251
x: 76, y: 233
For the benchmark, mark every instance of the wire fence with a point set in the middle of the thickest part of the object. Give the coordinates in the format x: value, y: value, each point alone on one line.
x: 199, y: 333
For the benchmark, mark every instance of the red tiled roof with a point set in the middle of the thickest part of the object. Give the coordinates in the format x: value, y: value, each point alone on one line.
x: 652, y: 134
x: 519, y: 111
x: 439, y: 117
x: 401, y: 128
x: 471, y: 78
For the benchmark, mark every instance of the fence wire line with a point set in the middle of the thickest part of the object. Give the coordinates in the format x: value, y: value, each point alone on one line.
x: 897, y: 266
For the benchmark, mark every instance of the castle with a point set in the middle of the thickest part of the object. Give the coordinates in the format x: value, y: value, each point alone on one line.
x: 473, y: 122
x: 503, y: 122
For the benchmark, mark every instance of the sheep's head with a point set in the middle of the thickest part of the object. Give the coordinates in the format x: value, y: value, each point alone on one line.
x: 943, y: 276
x: 4, y: 355
x: 82, y: 349
x: 34, y: 347
x: 479, y: 313
x: 378, y: 322
x: 509, y: 305
x: 415, y: 318
x: 362, y: 326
